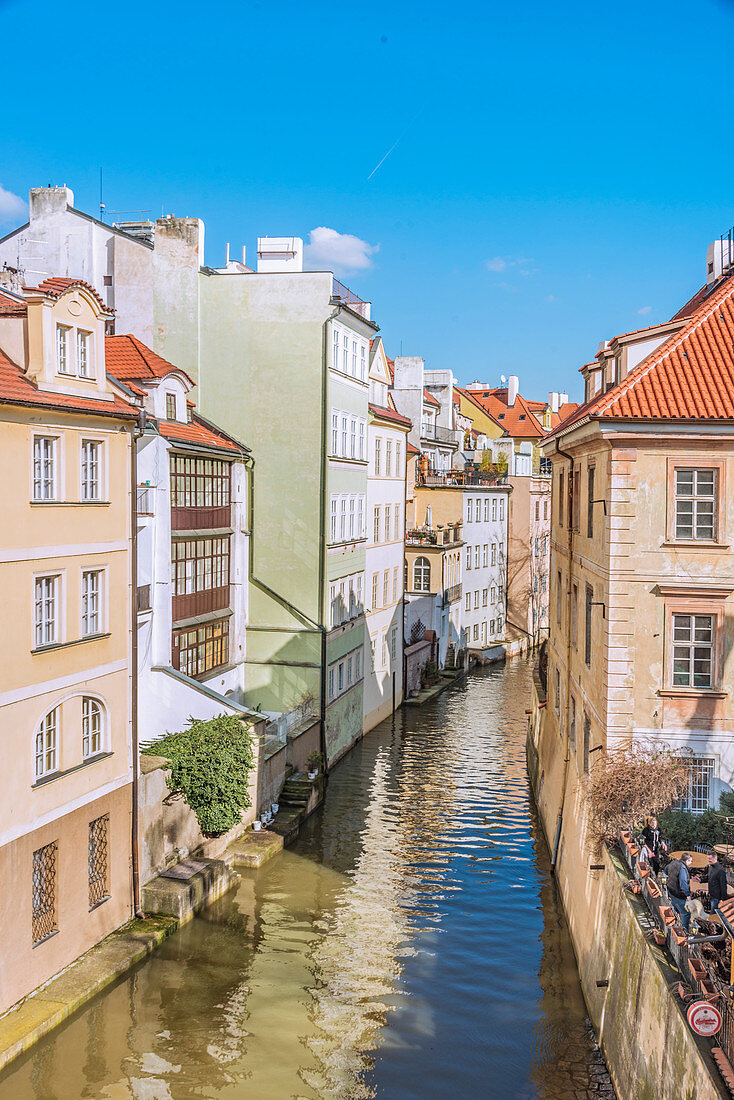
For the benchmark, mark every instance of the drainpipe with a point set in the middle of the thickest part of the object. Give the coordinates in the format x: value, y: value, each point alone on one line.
x: 135, y: 823
x: 566, y: 754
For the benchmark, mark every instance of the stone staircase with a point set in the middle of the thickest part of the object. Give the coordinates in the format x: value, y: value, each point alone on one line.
x: 299, y: 797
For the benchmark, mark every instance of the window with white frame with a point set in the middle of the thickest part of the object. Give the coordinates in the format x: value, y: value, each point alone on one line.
x: 486, y: 509
x: 84, y: 363
x: 693, y: 651
x: 352, y: 517
x: 494, y: 508
x: 335, y: 352
x: 345, y: 353
x: 386, y: 588
x: 493, y: 595
x: 46, y: 746
x: 476, y: 599
x: 421, y: 575
x: 502, y: 509
x: 170, y: 406
x: 332, y: 528
x: 362, y: 362
x: 376, y: 525
x: 63, y: 354
x: 393, y: 643
x: 395, y: 584
x: 47, y: 611
x: 398, y: 529
x: 45, y: 467
x: 92, y: 727
x: 91, y: 469
x: 478, y: 510
x: 387, y: 523
x: 484, y: 631
x: 485, y: 594
x: 350, y: 670
x: 494, y: 553
x: 491, y: 626
x: 695, y: 503
x: 476, y: 632
x: 360, y: 516
x: 331, y: 677
x: 702, y: 772
x: 91, y: 602
x: 378, y: 456
x: 467, y: 602
x: 342, y: 519
x: 345, y: 435
x: 398, y: 455
x: 335, y: 433
x: 468, y: 557
x: 354, y: 358
x: 375, y: 590
x: 388, y: 458
x: 353, y: 437
x: 476, y: 557
x: 469, y: 511
x: 344, y: 673
x: 333, y: 605
x: 361, y: 439
x: 485, y: 554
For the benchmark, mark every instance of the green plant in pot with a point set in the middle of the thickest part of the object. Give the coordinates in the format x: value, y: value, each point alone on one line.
x: 315, y: 760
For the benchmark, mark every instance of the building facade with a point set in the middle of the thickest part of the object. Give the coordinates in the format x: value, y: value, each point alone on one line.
x: 67, y: 676
x: 486, y: 512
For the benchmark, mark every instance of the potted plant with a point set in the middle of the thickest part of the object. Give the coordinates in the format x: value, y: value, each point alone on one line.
x: 314, y: 763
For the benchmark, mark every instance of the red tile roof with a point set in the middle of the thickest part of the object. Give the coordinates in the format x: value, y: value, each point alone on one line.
x: 16, y: 388
x: 390, y: 368
x: 693, y: 303
x: 56, y: 286
x: 689, y: 377
x: 11, y: 305
x: 390, y: 414
x: 129, y: 358
x: 430, y: 399
x: 411, y: 450
x: 469, y: 395
x: 198, y: 433
x: 518, y: 420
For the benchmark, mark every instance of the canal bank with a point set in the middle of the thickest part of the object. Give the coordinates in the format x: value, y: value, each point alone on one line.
x: 410, y: 943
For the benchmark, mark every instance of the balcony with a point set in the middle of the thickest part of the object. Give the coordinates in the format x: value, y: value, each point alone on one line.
x: 459, y: 478
x: 144, y: 500
x: 200, y: 519
x: 452, y: 594
x: 200, y: 603
x: 436, y: 432
x: 435, y: 536
x: 347, y: 297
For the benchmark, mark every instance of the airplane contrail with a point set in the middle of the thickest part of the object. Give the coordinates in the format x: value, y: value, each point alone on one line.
x: 387, y: 154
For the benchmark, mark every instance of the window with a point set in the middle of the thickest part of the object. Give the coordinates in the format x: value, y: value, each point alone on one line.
x: 559, y: 597
x: 575, y: 616
x: 587, y: 638
x: 587, y: 742
x: 335, y: 433
x: 702, y: 771
x: 352, y: 517
x: 491, y: 626
x: 345, y: 354
x: 476, y: 556
x: 350, y: 670
x: 485, y: 595
x: 386, y: 588
x: 398, y: 531
x: 362, y: 363
x: 361, y: 439
x: 590, y: 502
x: 502, y: 509
x: 398, y: 456
x: 421, y: 575
x: 44, y: 467
x: 574, y: 514
x: 345, y: 435
x: 376, y: 525
x: 494, y: 508
x: 560, y: 498
x: 545, y: 509
x: 493, y: 595
x: 388, y: 458
x: 537, y: 510
x: 84, y: 364
x: 170, y: 406
x: 486, y: 509
x: 354, y: 358
x: 395, y: 584
x: 393, y: 643
x: 375, y: 590
x: 343, y: 519
x: 494, y: 553
x: 91, y: 602
x: 693, y: 651
x: 469, y: 511
x: 378, y: 456
x: 353, y: 437
x: 46, y: 611
x: 201, y: 649
x: 63, y: 365
x: 358, y: 665
x: 199, y: 565
x: 468, y: 557
x: 335, y: 351
x: 387, y: 523
x: 572, y: 725
x: 478, y: 511
x: 333, y: 606
x: 360, y: 517
x: 46, y: 751
x: 557, y: 699
x: 199, y: 483
x: 476, y: 599
x: 331, y: 683
x: 340, y: 676
x: 43, y: 911
x: 98, y: 860
x: 695, y: 503
x: 332, y: 527
x: 476, y: 631
x: 484, y: 632
x: 467, y: 602
x: 91, y: 469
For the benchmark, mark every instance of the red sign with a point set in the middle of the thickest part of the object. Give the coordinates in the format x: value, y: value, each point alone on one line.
x: 704, y: 1018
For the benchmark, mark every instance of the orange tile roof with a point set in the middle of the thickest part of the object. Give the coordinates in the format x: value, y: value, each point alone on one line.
x: 11, y: 305
x: 469, y: 395
x: 127, y: 357
x: 518, y: 420
x: 430, y: 399
x: 390, y: 368
x: 390, y: 414
x: 56, y: 286
x: 198, y: 433
x: 689, y: 377
x: 411, y: 450
x: 16, y: 388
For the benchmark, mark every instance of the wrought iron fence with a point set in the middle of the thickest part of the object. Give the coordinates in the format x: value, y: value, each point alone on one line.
x: 43, y: 920
x: 98, y: 860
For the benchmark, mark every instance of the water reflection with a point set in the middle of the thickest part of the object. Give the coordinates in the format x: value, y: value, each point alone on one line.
x: 411, y: 944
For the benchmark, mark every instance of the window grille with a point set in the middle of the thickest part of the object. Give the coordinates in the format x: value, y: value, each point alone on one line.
x: 695, y: 504
x: 43, y: 920
x: 698, y: 798
x: 91, y: 727
x: 98, y: 860
x: 204, y: 648
x: 693, y: 648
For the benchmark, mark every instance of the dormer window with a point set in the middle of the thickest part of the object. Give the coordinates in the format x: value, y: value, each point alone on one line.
x: 84, y: 364
x: 501, y: 416
x: 63, y: 366
x: 522, y: 416
x: 170, y: 406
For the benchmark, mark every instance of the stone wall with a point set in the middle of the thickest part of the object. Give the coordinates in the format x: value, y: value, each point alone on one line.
x: 650, y: 1051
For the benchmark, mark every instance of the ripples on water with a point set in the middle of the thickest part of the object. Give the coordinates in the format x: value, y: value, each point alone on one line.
x: 409, y: 946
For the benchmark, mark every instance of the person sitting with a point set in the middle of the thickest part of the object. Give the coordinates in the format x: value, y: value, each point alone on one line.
x: 718, y: 886
x: 655, y: 843
x: 679, y: 888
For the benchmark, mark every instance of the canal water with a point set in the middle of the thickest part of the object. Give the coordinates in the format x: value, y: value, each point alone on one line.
x: 410, y: 946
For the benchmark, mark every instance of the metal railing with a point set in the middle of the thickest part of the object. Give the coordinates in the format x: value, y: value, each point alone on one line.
x: 433, y: 536
x: 145, y: 500
x: 459, y: 478
x: 452, y: 594
x: 343, y: 294
x: 435, y: 431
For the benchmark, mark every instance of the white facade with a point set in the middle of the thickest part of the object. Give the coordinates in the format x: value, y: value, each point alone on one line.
x: 384, y: 554
x: 484, y: 594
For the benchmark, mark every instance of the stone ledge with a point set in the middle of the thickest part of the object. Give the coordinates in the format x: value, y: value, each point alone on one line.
x: 46, y: 1008
x: 254, y: 848
x: 182, y: 898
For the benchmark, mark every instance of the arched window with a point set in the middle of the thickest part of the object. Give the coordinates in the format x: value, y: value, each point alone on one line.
x: 46, y: 753
x: 92, y: 727
x: 421, y: 575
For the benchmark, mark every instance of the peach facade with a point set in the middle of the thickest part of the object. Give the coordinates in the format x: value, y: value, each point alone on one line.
x: 65, y: 653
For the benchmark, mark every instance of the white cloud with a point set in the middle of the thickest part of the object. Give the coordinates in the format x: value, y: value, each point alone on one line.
x: 501, y: 263
x: 11, y: 206
x: 328, y: 249
x: 645, y: 309
x: 550, y: 298
x: 496, y: 264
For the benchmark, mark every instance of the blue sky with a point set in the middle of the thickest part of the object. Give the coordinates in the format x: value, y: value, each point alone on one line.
x: 558, y: 173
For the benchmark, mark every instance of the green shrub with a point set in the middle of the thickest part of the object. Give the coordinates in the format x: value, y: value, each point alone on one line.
x: 209, y: 766
x: 685, y: 830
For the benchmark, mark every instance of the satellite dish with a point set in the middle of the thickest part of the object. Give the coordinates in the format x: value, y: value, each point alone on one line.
x: 502, y: 379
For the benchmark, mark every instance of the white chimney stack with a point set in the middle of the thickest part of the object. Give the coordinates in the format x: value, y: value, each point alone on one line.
x: 244, y: 254
x: 513, y: 386
x: 226, y: 254
x: 562, y: 399
x: 553, y: 401
x: 279, y: 254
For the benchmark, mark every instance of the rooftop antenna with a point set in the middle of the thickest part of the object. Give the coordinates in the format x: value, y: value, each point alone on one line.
x: 503, y: 380
x: 102, y: 206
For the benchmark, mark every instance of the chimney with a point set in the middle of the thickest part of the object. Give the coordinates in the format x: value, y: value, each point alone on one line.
x: 279, y: 254
x: 718, y: 259
x: 562, y: 399
x: 513, y: 385
x: 43, y: 201
x: 553, y: 401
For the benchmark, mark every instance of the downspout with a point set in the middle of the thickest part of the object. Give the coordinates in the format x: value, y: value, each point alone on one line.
x: 135, y: 837
x: 566, y: 754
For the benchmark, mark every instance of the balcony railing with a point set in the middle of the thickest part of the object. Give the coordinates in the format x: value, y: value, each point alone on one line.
x: 145, y: 500
x: 343, y: 294
x: 441, y: 435
x: 143, y: 598
x: 459, y: 478
x: 200, y: 519
x: 200, y: 603
x: 434, y: 536
x: 452, y: 594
